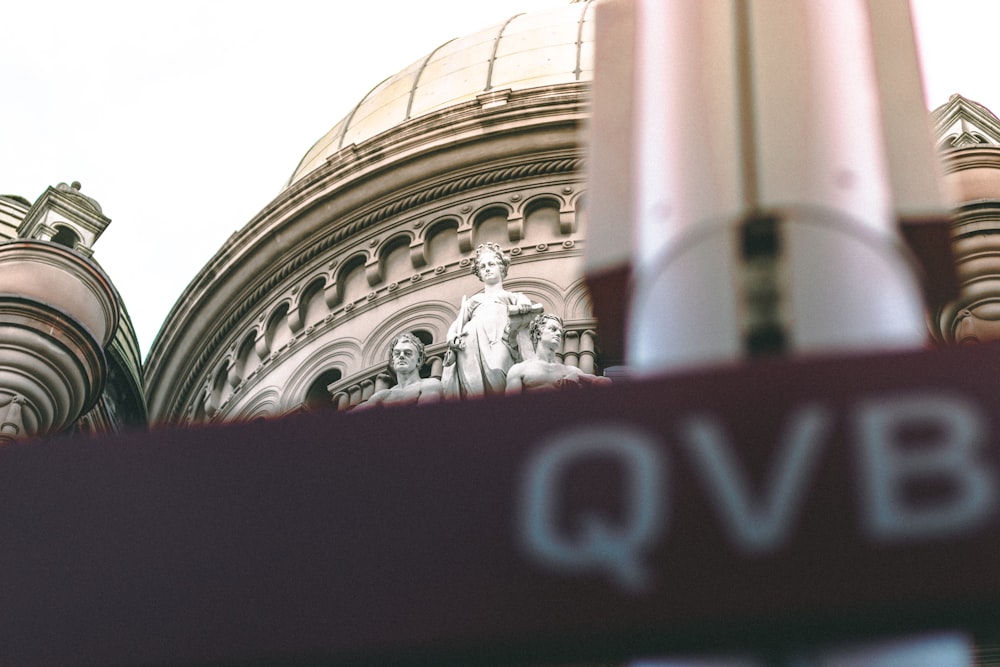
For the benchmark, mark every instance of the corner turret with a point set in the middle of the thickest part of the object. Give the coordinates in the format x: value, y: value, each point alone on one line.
x: 66, y: 216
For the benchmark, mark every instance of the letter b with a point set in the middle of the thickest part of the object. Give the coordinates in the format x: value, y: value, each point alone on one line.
x: 887, y: 467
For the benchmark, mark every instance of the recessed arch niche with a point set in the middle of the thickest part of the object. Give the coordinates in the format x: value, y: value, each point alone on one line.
x: 541, y: 220
x: 441, y: 241
x: 491, y: 226
x: 318, y: 397
x: 247, y: 360
x: 351, y: 282
x: 312, y: 307
x: 395, y: 259
x: 278, y: 333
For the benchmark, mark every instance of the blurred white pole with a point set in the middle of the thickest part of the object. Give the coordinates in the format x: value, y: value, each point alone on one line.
x: 822, y: 162
x: 687, y: 167
x: 743, y: 110
x: 749, y: 165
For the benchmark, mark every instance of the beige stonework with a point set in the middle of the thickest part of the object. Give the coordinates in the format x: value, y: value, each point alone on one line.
x: 969, y: 141
x: 375, y: 233
x: 69, y: 360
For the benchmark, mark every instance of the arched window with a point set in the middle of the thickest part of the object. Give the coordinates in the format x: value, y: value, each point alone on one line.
x: 423, y: 336
x: 318, y: 397
x: 277, y: 331
x: 65, y: 236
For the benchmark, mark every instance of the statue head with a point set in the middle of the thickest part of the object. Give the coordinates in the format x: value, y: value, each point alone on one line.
x: 490, y: 248
x: 414, y: 342
x: 537, y: 322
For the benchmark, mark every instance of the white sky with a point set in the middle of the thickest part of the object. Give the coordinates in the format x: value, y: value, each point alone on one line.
x: 184, y: 118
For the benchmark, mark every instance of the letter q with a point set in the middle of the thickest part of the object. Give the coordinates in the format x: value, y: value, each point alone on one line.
x: 600, y: 545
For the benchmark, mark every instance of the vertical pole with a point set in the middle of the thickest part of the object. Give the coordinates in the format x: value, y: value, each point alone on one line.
x: 760, y: 174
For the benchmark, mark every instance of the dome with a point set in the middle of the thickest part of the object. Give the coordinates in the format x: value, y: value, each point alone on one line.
x: 526, y: 51
x: 480, y: 141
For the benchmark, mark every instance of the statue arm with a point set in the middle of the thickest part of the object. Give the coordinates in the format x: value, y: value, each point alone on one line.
x: 523, y: 306
x: 576, y: 376
x: 520, y: 312
x: 375, y: 399
x: 515, y: 379
x: 431, y: 391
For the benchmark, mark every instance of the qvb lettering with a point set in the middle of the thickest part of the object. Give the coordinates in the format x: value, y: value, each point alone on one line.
x: 761, y: 523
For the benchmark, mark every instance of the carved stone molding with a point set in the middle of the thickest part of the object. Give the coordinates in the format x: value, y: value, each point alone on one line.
x: 561, y: 166
x: 53, y: 332
x: 12, y: 418
x: 51, y: 361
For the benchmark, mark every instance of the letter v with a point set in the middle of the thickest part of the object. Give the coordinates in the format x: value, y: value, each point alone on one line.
x: 757, y: 525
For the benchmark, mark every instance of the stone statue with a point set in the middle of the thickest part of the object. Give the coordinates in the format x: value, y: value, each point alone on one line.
x: 406, y: 356
x: 545, y: 371
x: 484, y: 339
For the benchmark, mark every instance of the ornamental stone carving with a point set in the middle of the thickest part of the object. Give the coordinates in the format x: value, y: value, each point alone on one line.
x: 58, y: 312
x: 484, y: 338
x: 544, y: 370
x: 406, y: 358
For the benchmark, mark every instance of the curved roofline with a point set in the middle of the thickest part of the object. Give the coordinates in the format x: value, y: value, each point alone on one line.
x: 390, y: 111
x: 493, y: 54
x: 413, y: 88
x: 322, y: 211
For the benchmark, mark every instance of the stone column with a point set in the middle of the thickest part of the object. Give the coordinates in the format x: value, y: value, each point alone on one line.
x: 588, y: 350
x: 437, y: 366
x: 571, y: 349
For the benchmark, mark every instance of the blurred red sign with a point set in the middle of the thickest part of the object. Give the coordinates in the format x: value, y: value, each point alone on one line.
x: 735, y: 507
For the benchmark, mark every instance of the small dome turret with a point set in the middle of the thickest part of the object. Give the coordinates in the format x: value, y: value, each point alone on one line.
x: 64, y: 215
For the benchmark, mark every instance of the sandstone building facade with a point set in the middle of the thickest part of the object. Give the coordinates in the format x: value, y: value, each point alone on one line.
x: 480, y: 141
x: 374, y: 234
x: 69, y: 360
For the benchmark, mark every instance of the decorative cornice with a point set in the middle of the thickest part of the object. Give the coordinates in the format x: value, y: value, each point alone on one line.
x: 51, y: 359
x: 479, y: 76
x: 971, y: 157
x: 968, y: 124
x: 534, y: 122
x: 326, y: 240
x: 452, y: 125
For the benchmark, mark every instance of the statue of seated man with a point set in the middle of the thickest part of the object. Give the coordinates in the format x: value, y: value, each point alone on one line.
x: 406, y: 357
x: 545, y: 371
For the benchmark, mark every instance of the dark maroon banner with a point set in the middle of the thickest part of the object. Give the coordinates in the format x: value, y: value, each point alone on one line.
x: 755, y: 506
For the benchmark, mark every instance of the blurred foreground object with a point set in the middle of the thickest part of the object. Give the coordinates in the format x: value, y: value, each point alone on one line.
x: 754, y: 206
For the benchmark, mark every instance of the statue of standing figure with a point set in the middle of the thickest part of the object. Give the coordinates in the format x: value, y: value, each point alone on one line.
x: 545, y: 371
x: 484, y: 339
x: 406, y: 357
